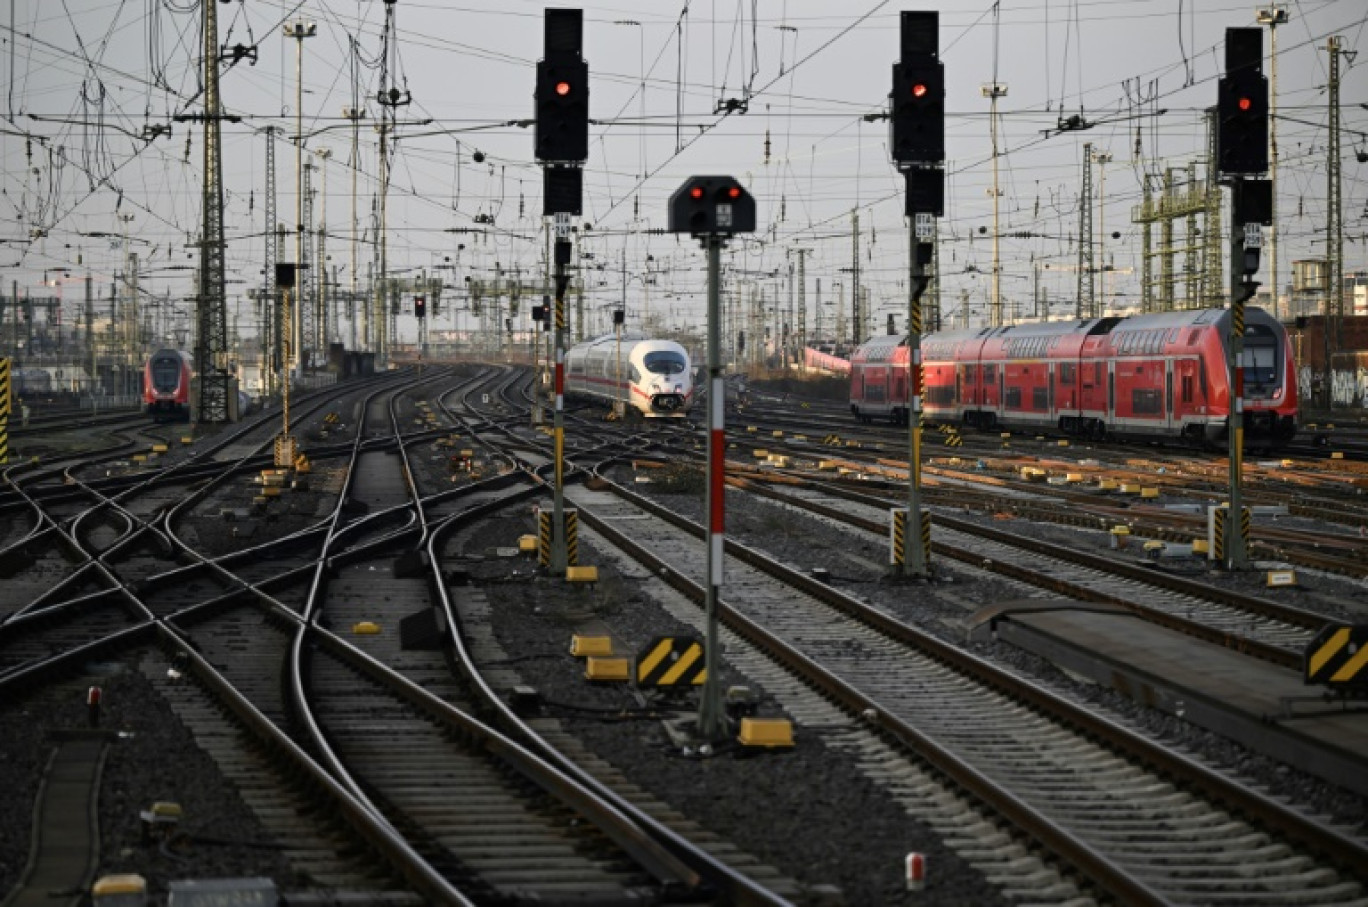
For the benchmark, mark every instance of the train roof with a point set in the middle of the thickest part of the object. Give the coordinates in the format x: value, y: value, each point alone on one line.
x: 626, y: 339
x: 1091, y: 326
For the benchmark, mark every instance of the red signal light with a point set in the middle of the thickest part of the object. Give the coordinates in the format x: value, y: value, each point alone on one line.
x: 696, y: 192
x: 919, y: 90
x: 734, y: 192
x: 1244, y: 103
x: 562, y: 88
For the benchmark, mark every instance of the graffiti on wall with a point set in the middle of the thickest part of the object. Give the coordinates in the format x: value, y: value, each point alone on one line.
x: 1348, y: 386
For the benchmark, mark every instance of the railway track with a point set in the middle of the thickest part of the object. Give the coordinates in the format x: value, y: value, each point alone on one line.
x: 1089, y: 802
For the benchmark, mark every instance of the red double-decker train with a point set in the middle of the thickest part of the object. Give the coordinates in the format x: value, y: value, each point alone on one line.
x: 1153, y: 376
x: 166, y: 385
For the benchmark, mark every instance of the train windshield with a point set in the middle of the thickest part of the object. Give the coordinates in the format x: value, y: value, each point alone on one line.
x: 1260, y: 362
x: 166, y: 371
x: 665, y: 363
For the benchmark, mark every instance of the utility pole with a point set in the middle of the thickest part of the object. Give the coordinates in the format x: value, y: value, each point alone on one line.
x: 270, y: 299
x: 1102, y: 158
x: 323, y: 320
x: 992, y: 92
x: 299, y: 30
x: 355, y: 114
x: 817, y: 309
x: 1086, y: 306
x: 90, y: 331
x: 390, y: 98
x: 856, y: 335
x: 1273, y: 16
x: 1334, y: 231
x: 308, y: 303
x: 211, y: 337
x: 802, y: 336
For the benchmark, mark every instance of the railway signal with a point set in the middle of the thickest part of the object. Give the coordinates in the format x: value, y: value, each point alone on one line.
x: 1241, y: 155
x: 713, y: 208
x: 917, y: 117
x: 562, y: 92
x: 561, y: 143
x: 1242, y: 105
x: 917, y: 144
x: 419, y: 307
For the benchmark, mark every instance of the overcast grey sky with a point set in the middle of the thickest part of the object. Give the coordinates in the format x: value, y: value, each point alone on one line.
x: 88, y: 76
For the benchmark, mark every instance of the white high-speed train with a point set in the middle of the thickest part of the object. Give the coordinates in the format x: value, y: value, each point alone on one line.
x: 655, y: 379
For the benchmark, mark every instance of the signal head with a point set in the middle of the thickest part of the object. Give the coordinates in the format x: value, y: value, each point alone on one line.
x: 712, y: 205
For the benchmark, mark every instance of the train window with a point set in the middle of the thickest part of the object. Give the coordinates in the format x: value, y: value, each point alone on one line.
x: 1040, y: 399
x: 1259, y: 361
x: 941, y: 395
x: 1187, y: 388
x: 1192, y: 337
x: 1147, y: 401
x: 1012, y: 398
x: 1066, y: 373
x: 665, y: 363
x: 989, y: 372
x: 1172, y: 335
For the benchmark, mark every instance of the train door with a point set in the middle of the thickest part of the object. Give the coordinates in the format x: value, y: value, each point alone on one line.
x: 1186, y: 403
x: 1050, y: 391
x: 1111, y: 391
x: 1168, y: 393
x: 1002, y: 390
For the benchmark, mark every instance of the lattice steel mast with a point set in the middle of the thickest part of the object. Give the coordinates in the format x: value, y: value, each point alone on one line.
x: 308, y: 297
x: 211, y: 335
x: 270, y: 340
x: 1334, y: 232
x: 1086, y: 307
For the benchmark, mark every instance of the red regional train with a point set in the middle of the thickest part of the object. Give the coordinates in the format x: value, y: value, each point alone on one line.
x: 1153, y: 376
x: 166, y: 385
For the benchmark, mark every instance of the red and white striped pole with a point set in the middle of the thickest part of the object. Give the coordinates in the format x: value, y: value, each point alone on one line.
x: 915, y: 871
x: 93, y: 697
x: 711, y: 721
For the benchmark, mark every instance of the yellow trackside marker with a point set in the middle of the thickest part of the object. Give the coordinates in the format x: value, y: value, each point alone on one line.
x: 601, y: 668
x: 669, y: 660
x: 1351, y: 667
x: 771, y: 732
x: 1338, y: 640
x: 584, y: 646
